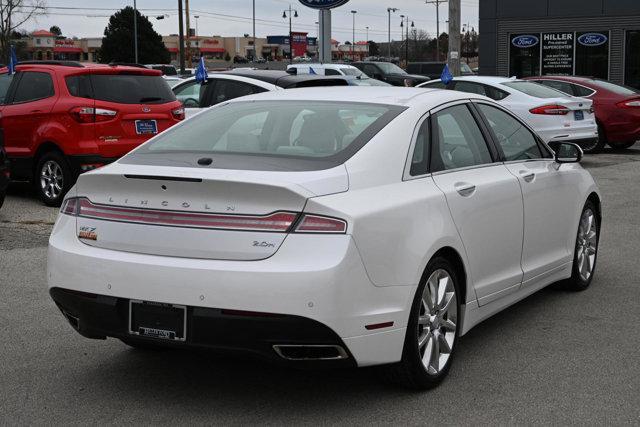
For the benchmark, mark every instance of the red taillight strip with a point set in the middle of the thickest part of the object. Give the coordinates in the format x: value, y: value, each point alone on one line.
x: 278, y: 221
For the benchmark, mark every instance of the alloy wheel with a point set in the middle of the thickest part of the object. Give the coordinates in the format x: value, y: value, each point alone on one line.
x: 51, y: 179
x: 437, y: 321
x: 587, y: 246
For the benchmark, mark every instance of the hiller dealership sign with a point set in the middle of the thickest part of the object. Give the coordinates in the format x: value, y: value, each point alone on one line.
x: 323, y: 4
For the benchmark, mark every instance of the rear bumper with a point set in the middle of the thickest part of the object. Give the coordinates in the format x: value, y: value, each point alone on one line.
x: 101, y: 316
x: 318, y: 278
x: 85, y: 163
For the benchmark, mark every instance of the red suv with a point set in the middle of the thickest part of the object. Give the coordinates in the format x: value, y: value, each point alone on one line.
x: 62, y: 118
x: 617, y: 107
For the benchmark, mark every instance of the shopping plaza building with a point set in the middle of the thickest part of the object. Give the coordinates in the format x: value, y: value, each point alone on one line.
x: 599, y: 38
x: 45, y: 45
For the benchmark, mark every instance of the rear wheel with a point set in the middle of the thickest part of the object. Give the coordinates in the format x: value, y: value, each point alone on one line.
x: 586, y: 252
x: 596, y: 145
x: 52, y: 178
x: 432, y: 329
x: 622, y: 145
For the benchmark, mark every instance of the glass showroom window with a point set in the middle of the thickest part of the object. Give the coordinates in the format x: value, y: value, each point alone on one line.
x: 592, y: 54
x: 632, y: 59
x: 524, y: 55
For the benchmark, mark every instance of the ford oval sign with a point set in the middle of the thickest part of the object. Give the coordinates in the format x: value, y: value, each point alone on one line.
x: 592, y: 39
x: 525, y: 41
x: 323, y: 4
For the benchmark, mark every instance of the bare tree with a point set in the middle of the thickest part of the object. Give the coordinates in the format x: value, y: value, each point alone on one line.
x: 14, y: 13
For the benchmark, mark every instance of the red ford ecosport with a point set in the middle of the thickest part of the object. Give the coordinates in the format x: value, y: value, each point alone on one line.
x: 62, y: 118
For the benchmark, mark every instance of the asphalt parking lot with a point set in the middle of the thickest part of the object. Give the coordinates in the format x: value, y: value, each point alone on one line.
x: 554, y: 358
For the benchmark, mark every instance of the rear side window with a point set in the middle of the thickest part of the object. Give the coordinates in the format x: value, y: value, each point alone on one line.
x: 558, y: 85
x: 459, y: 143
x: 471, y: 88
x: 5, y: 82
x: 582, y: 91
x: 33, y: 85
x: 534, y: 89
x: 329, y: 132
x: 131, y: 89
x: 420, y: 158
x: 79, y: 86
x: 331, y: 72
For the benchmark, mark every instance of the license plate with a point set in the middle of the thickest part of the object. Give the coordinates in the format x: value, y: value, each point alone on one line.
x: 146, y: 127
x: 157, y: 320
x: 579, y: 115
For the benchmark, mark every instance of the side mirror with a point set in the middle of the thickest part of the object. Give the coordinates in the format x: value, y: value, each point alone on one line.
x: 567, y: 152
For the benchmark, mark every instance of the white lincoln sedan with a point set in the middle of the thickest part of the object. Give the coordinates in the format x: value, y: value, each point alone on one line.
x: 325, y: 226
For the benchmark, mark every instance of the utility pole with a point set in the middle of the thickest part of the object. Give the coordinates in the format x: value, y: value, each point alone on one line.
x: 389, y: 10
x: 353, y: 39
x: 437, y: 3
x: 406, y: 39
x: 454, y: 37
x: 255, y: 52
x: 186, y: 11
x: 135, y: 32
x: 180, y: 37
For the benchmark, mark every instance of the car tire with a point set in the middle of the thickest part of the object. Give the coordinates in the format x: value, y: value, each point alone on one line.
x: 586, y: 250
x: 432, y: 330
x: 52, y: 178
x: 622, y: 145
x: 598, y: 145
x: 2, y: 199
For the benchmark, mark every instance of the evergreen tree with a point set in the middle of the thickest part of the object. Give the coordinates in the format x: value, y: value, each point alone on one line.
x: 118, y: 43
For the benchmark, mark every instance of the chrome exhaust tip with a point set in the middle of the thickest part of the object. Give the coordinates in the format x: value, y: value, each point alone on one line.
x: 310, y: 352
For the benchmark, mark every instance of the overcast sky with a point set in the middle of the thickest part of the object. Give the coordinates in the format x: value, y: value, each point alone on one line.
x: 233, y: 17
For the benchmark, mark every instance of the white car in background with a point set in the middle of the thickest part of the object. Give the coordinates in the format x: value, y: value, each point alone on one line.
x: 326, y: 70
x: 554, y: 115
x: 325, y: 226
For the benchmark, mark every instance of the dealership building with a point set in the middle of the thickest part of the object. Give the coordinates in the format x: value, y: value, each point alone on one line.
x: 599, y: 38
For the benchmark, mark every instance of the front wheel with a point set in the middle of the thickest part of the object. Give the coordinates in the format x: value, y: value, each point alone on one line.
x: 53, y: 178
x: 586, y: 251
x: 432, y: 329
x: 622, y: 145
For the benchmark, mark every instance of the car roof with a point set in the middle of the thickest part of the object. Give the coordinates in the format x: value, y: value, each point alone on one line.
x: 398, y: 96
x: 72, y: 67
x: 487, y: 79
x: 321, y: 65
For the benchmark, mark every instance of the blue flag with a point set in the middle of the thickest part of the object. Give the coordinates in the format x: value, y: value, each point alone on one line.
x: 201, y: 72
x: 446, y: 76
x: 13, y: 60
x: 312, y: 71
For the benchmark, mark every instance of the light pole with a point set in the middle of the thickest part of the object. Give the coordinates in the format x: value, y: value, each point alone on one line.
x: 196, y: 17
x: 437, y: 3
x: 255, y: 52
x: 389, y: 10
x: 135, y: 31
x: 406, y: 39
x: 295, y: 15
x: 353, y: 40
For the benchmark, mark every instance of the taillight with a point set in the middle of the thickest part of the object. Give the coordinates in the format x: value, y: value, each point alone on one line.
x: 321, y: 224
x: 551, y: 109
x: 276, y: 222
x: 178, y: 113
x: 92, y: 115
x: 633, y: 103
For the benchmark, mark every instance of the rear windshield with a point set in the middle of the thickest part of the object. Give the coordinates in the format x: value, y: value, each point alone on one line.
x: 536, y: 90
x: 351, y: 72
x: 327, y: 133
x: 121, y: 88
x: 618, y: 89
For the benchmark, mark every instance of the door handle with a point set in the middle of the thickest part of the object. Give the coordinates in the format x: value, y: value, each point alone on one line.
x: 527, y: 176
x: 465, y: 189
x: 36, y: 111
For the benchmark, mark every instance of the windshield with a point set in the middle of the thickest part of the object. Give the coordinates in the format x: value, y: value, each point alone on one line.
x: 389, y: 68
x: 618, y: 89
x: 534, y: 89
x: 276, y: 129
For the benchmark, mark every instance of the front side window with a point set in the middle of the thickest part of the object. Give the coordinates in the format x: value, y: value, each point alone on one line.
x: 230, y: 89
x: 516, y: 141
x: 33, y: 86
x: 189, y: 94
x: 278, y: 130
x: 458, y: 141
x: 5, y: 82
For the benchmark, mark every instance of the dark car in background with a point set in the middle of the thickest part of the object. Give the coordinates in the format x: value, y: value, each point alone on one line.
x: 389, y: 73
x: 617, y: 107
x: 166, y: 69
x: 433, y: 70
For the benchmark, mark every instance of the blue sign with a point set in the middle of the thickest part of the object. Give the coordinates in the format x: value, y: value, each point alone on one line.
x: 323, y: 4
x: 592, y: 39
x: 525, y: 41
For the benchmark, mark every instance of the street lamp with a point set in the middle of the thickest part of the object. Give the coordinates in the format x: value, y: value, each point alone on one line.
x: 389, y: 10
x: 353, y: 40
x: 135, y: 31
x: 284, y: 16
x: 196, y: 18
